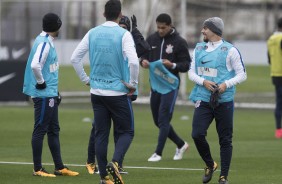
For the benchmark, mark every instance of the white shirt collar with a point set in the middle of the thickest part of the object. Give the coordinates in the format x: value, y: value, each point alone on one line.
x: 50, y: 38
x: 214, y: 44
x: 110, y: 24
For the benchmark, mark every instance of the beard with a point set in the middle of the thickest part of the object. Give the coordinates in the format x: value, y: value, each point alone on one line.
x: 57, y: 34
x: 205, y: 39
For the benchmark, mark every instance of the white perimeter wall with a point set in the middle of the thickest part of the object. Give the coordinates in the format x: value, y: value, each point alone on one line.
x: 253, y: 52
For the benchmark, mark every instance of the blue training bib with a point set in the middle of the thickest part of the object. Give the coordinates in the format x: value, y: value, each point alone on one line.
x: 161, y: 79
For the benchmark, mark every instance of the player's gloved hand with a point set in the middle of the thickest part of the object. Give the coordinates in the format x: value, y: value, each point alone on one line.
x: 134, y: 22
x: 133, y: 97
x: 40, y: 86
x: 215, y: 96
x: 59, y: 98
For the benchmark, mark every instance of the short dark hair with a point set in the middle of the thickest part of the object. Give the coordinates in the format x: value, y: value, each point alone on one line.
x: 112, y: 9
x: 164, y: 18
x: 279, y: 23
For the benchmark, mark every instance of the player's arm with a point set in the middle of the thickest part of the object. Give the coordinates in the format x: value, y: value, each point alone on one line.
x: 235, y: 62
x: 38, y: 63
x: 192, y: 75
x: 183, y: 58
x: 130, y: 53
x: 77, y: 56
x: 268, y: 56
x: 142, y: 46
x: 144, y: 59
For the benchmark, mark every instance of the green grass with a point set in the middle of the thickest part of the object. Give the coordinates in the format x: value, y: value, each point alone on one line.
x: 256, y: 155
x: 258, y: 80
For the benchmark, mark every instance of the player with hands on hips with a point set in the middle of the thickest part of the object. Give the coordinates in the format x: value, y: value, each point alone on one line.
x: 113, y: 61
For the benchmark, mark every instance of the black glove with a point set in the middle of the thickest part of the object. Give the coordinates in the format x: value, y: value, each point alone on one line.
x: 59, y: 98
x: 134, y: 22
x: 133, y: 97
x: 215, y: 96
x: 40, y: 86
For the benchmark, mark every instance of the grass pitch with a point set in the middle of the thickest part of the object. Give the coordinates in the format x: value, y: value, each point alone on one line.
x: 256, y: 153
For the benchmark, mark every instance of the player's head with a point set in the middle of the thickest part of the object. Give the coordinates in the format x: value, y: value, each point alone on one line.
x: 211, y: 27
x: 279, y: 23
x: 112, y: 10
x: 125, y: 22
x: 51, y: 22
x: 163, y: 24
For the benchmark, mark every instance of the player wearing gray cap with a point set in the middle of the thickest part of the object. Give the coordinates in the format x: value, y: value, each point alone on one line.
x: 216, y: 68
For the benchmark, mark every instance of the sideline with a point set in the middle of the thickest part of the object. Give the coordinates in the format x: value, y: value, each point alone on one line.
x: 146, y: 100
x: 78, y: 97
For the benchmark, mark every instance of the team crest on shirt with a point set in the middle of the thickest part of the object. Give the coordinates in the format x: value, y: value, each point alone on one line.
x: 202, y: 47
x: 169, y: 49
x: 51, y: 102
x: 197, y: 104
x: 224, y: 48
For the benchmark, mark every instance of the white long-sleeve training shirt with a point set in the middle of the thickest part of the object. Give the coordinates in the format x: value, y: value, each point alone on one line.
x: 233, y: 62
x: 40, y: 57
x: 128, y: 50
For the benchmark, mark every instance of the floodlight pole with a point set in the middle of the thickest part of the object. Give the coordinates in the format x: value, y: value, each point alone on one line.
x: 150, y: 17
x: 183, y: 76
x: 0, y: 23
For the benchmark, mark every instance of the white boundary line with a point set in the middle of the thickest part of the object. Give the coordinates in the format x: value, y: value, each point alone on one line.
x: 80, y: 98
x: 129, y: 167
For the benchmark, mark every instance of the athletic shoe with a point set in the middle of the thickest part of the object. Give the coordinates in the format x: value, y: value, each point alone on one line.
x: 155, y: 158
x: 92, y: 168
x: 209, y: 172
x: 179, y: 152
x: 278, y: 133
x: 42, y: 172
x: 106, y: 180
x: 112, y: 169
x: 65, y: 172
x: 222, y: 180
x: 122, y: 171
